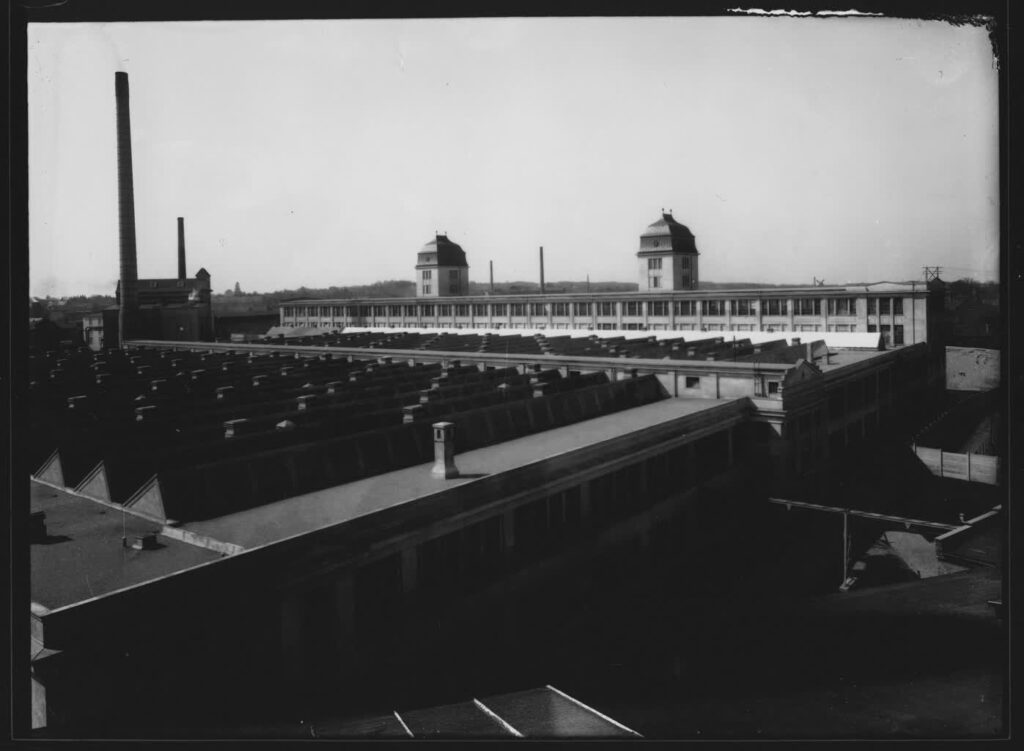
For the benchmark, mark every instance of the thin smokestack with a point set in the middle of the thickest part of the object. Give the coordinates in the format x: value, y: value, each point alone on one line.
x: 126, y: 212
x: 542, y: 269
x: 492, y: 276
x: 181, y: 247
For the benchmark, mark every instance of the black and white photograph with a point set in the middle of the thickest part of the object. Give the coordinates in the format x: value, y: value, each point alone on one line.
x: 492, y: 376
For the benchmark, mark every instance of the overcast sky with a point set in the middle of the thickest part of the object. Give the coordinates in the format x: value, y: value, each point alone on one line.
x: 322, y: 153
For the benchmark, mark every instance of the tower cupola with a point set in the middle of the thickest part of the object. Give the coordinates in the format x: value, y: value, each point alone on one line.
x: 441, y: 269
x: 667, y: 258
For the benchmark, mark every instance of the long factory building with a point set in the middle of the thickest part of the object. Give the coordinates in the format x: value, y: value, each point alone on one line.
x: 669, y: 299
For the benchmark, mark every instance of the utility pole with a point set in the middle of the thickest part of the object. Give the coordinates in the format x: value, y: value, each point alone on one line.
x: 846, y: 547
x: 931, y: 272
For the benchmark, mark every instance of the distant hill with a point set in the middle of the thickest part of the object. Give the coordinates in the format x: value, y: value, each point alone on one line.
x: 739, y: 285
x: 532, y: 288
x: 389, y: 288
x: 256, y: 302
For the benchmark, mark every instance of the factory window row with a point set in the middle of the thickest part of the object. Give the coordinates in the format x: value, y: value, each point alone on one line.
x: 885, y: 306
x: 854, y: 395
x: 478, y: 554
x: 807, y: 306
x: 802, y: 306
x: 744, y: 307
x: 842, y: 306
x: 890, y: 334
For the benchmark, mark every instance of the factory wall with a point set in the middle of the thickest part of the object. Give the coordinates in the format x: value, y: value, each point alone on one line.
x: 901, y: 317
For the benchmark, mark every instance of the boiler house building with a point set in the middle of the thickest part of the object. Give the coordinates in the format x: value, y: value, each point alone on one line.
x: 175, y: 309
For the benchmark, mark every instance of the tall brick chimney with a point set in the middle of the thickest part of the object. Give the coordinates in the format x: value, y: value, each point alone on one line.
x: 128, y: 312
x: 181, y: 248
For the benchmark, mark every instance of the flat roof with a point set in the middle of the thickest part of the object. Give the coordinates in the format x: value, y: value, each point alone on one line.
x: 836, y: 339
x: 311, y: 511
x: 82, y: 556
x: 843, y: 357
x: 879, y: 288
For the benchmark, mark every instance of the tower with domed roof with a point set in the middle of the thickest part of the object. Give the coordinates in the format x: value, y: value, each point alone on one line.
x: 441, y: 269
x: 667, y: 258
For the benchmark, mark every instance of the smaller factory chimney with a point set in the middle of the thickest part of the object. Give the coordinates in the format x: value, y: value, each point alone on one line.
x: 542, y: 269
x: 181, y: 248
x: 492, y: 277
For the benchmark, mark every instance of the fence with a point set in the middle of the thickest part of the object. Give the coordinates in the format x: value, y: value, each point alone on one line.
x: 969, y: 467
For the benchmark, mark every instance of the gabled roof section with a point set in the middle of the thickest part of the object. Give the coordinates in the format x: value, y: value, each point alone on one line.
x: 802, y: 371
